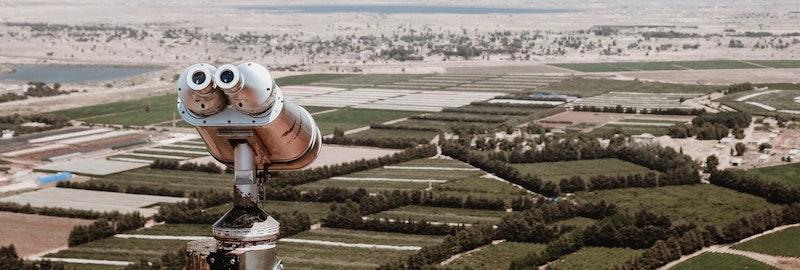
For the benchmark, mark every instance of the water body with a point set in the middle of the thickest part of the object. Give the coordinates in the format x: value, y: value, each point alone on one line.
x: 393, y: 9
x: 71, y: 73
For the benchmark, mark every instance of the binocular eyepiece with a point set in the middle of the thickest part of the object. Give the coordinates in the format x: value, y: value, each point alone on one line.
x: 234, y: 104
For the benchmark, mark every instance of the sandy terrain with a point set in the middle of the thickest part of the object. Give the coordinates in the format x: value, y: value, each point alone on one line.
x: 35, y: 234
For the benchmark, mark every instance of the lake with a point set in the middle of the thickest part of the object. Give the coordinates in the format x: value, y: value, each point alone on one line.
x: 393, y: 9
x: 71, y: 73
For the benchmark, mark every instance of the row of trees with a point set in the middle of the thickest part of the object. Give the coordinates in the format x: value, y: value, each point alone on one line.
x: 707, y: 131
x: 54, y: 211
x: 742, y: 181
x: 621, y: 109
x: 9, y: 260
x: 168, y: 164
x: 463, y: 240
x: 14, y: 122
x: 391, y: 199
x: 349, y: 216
x: 393, y: 143
x: 328, y: 171
x: 105, y: 227
x: 111, y: 187
x: 729, y: 119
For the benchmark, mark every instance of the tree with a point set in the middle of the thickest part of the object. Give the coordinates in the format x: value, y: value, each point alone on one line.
x: 711, y: 163
x: 740, y: 149
x: 763, y: 147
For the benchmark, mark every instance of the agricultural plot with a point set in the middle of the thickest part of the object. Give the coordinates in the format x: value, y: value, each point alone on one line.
x: 495, y: 256
x: 697, y: 203
x: 594, y: 258
x: 788, y: 174
x: 480, y: 187
x: 631, y: 129
x: 639, y: 101
x: 399, y: 177
x: 452, y: 82
x: 381, y: 98
x: 175, y: 151
x: 168, y: 179
x: 35, y: 234
x: 555, y: 171
x: 121, y: 249
x: 369, y: 237
x: 308, y: 78
x: 146, y: 111
x: 331, y: 154
x: 176, y: 230
x: 91, y: 167
x: 100, y: 201
x: 586, y: 87
x: 711, y: 260
x: 679, y: 65
x: 347, y: 119
x: 394, y: 134
x: 783, y: 243
x: 315, y: 210
x: 311, y: 257
x: 765, y: 102
x: 441, y: 215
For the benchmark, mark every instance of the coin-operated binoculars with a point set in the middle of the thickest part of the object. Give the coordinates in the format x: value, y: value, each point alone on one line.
x: 246, y: 124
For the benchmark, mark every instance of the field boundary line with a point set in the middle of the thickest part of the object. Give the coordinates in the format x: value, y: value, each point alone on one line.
x: 84, y: 261
x: 343, y: 244
x: 162, y: 237
x: 758, y: 65
x: 743, y: 98
x: 431, y: 168
x: 325, y: 111
x: 711, y: 248
x: 387, y: 179
x: 459, y: 255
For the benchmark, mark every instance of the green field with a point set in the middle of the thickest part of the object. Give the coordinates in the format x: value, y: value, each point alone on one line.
x: 788, y: 174
x: 308, y: 78
x: 710, y: 260
x: 176, y: 230
x: 784, y: 243
x: 347, y: 118
x: 434, y: 162
x: 369, y: 80
x: 369, y: 185
x: 130, y: 112
x: 697, y: 203
x: 370, y: 237
x: 653, y: 121
x: 480, y: 187
x: 441, y: 214
x: 555, y: 171
x: 594, y: 258
x: 628, y: 130
x: 313, y: 257
x: 495, y: 256
x: 415, y: 174
x: 394, y: 133
x: 678, y: 65
x: 119, y: 249
x: 169, y: 179
x: 315, y: 210
x: 591, y: 87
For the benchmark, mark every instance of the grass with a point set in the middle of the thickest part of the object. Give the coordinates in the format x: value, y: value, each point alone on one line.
x: 711, y: 260
x: 783, y: 100
x: 312, y: 257
x: 788, y: 174
x: 355, y: 118
x: 176, y: 230
x: 594, y: 258
x: 495, y: 256
x: 677, y: 65
x: 308, y: 78
x: 628, y: 130
x: 130, y: 112
x: 395, y: 133
x: 119, y: 249
x: 783, y: 243
x: 371, y: 79
x: 371, y: 186
x: 591, y: 87
x: 315, y: 210
x: 480, y: 187
x: 434, y: 162
x: 702, y: 204
x: 169, y: 179
x: 415, y: 174
x: 777, y: 63
x: 653, y: 121
x: 441, y: 214
x: 370, y: 237
x: 555, y: 171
